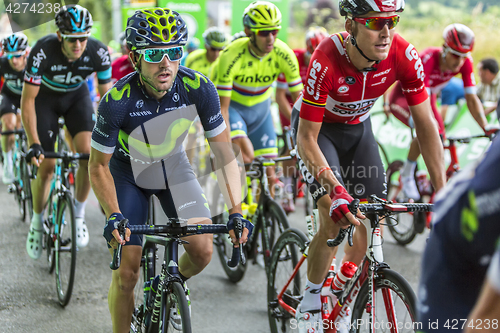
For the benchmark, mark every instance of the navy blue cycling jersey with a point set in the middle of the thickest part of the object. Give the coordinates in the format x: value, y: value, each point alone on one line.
x: 49, y: 67
x: 463, y: 239
x: 143, y: 131
x: 13, y: 84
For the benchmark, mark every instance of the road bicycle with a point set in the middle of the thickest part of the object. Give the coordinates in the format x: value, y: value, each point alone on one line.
x: 411, y: 224
x: 267, y: 216
x: 21, y: 187
x: 167, y: 308
x: 383, y: 300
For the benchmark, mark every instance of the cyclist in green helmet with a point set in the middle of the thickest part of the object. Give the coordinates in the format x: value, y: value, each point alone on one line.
x: 201, y: 60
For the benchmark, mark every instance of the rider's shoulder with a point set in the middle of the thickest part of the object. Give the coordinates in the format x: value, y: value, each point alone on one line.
x: 191, y: 79
x: 47, y: 41
x: 124, y: 90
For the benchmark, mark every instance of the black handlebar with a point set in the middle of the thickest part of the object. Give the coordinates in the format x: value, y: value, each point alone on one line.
x: 176, y: 230
x: 382, y: 209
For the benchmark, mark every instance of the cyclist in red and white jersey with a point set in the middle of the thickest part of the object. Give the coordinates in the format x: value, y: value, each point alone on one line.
x: 285, y: 102
x: 347, y: 73
x: 440, y: 65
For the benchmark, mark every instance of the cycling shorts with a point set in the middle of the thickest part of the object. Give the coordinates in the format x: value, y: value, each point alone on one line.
x: 400, y: 109
x: 256, y: 123
x: 75, y: 107
x: 180, y: 194
x: 9, y: 104
x: 352, y: 153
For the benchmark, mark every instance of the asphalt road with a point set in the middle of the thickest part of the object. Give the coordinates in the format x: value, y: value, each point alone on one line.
x: 28, y: 300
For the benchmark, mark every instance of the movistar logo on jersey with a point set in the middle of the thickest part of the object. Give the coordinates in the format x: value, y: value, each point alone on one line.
x: 256, y: 78
x: 118, y: 94
x: 195, y: 84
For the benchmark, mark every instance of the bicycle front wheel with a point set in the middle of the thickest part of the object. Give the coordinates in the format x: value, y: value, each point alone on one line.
x: 26, y: 189
x: 65, y: 248
x: 175, y: 312
x: 284, y: 260
x: 393, y: 306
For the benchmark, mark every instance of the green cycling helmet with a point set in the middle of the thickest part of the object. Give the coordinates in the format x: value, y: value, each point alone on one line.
x: 262, y: 15
x: 155, y: 27
x: 215, y: 37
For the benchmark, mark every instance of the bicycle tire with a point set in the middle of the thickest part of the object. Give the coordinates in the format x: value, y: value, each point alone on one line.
x: 65, y: 248
x: 174, y: 300
x: 275, y: 222
x: 223, y: 243
x: 388, y: 284
x: 284, y: 259
x: 402, y: 227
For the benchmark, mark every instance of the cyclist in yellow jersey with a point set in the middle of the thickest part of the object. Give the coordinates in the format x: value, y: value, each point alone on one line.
x: 201, y: 60
x: 247, y: 69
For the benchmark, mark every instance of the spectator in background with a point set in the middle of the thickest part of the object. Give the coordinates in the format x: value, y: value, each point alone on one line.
x: 451, y: 94
x: 121, y: 66
x: 488, y: 90
x: 323, y: 14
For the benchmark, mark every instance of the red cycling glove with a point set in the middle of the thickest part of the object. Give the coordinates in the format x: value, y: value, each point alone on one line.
x: 340, y: 201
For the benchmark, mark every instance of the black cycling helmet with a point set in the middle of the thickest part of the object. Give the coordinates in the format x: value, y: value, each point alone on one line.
x: 73, y: 19
x: 362, y: 7
x: 154, y: 27
x: 17, y: 42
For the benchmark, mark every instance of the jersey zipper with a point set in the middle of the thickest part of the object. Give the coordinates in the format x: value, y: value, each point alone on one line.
x: 362, y: 92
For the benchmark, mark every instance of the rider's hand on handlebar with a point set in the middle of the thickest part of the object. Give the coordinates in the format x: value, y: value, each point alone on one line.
x: 111, y: 232
x: 339, y: 209
x: 490, y: 130
x: 247, y: 231
x: 35, y: 154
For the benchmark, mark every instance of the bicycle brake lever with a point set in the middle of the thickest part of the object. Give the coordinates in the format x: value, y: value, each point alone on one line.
x: 117, y: 253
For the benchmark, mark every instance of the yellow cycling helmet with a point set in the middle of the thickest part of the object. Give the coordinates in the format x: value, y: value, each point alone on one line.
x: 155, y: 27
x: 262, y: 15
x: 215, y: 37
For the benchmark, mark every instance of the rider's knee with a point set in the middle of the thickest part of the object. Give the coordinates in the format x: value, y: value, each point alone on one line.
x: 127, y: 279
x: 201, y: 258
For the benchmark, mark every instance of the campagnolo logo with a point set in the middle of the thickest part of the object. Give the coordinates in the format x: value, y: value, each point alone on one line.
x: 139, y: 104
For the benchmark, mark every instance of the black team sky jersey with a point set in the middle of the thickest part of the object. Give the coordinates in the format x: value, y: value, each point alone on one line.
x: 47, y: 65
x: 13, y: 84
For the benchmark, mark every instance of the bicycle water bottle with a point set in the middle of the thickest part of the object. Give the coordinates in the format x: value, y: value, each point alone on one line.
x: 328, y: 299
x: 345, y: 273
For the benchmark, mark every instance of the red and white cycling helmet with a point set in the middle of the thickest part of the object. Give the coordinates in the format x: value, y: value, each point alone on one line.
x: 314, y: 36
x: 361, y: 7
x: 458, y: 39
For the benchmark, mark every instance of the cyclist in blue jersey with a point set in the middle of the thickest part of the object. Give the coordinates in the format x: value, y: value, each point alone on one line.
x: 451, y: 94
x: 55, y: 86
x: 12, y: 67
x: 465, y: 233
x: 137, y: 151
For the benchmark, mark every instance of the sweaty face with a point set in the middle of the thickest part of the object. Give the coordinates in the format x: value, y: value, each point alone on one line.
x: 160, y: 75
x: 375, y: 44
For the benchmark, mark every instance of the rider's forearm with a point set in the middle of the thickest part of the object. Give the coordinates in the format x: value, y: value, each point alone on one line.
x: 104, y: 187
x: 432, y: 152
x: 476, y: 109
x: 229, y: 177
x: 28, y: 117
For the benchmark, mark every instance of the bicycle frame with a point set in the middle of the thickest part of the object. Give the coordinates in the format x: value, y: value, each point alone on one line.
x: 372, y: 261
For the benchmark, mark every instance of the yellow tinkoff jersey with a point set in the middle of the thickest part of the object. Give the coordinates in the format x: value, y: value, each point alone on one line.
x: 198, y: 61
x: 246, y: 78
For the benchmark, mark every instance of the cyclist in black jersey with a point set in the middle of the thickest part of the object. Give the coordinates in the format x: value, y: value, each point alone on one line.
x: 137, y: 150
x: 55, y: 86
x: 12, y: 67
x: 465, y: 233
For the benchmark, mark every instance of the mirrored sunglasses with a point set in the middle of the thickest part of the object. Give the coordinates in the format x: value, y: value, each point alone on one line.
x: 73, y: 38
x: 378, y: 23
x: 156, y: 55
x: 265, y: 33
x: 14, y: 55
